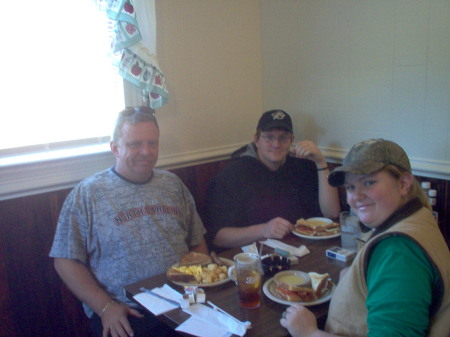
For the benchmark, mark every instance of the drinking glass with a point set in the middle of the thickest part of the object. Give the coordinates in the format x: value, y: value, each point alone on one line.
x: 350, y: 230
x: 248, y: 274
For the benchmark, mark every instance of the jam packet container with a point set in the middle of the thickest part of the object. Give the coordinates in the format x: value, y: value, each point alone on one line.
x: 200, y: 296
x: 185, y: 303
x: 191, y: 291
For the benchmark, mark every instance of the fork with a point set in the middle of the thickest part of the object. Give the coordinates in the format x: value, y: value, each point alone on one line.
x: 215, y: 307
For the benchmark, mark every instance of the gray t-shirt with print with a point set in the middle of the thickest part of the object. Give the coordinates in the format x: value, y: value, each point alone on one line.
x: 125, y: 232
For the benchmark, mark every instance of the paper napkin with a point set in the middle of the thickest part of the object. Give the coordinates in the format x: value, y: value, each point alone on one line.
x: 157, y: 305
x: 250, y: 248
x: 297, y: 251
x: 196, y: 327
x: 221, y: 324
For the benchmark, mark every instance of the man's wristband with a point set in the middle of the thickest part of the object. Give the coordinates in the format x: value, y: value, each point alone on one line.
x: 322, y: 168
x: 106, y: 307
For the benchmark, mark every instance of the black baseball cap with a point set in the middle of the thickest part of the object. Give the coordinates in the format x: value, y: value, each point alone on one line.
x: 272, y: 119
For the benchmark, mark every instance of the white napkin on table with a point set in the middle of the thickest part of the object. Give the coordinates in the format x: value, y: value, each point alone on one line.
x: 196, y: 327
x: 250, y: 248
x: 207, y: 322
x: 157, y: 305
x: 297, y: 251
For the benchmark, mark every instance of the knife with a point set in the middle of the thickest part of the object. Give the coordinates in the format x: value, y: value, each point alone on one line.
x: 215, y: 307
x: 148, y: 291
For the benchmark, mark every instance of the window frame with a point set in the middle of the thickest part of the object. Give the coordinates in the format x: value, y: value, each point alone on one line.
x: 58, y: 173
x: 53, y: 171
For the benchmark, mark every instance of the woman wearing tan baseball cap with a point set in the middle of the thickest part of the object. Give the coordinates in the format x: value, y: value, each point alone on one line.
x: 399, y: 282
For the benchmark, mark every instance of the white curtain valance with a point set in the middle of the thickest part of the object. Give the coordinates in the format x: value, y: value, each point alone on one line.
x: 134, y: 47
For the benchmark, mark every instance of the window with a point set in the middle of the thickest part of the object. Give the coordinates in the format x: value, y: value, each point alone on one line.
x: 59, y: 91
x: 59, y: 87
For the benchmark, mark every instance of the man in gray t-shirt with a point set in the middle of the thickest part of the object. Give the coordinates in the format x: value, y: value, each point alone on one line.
x: 124, y: 224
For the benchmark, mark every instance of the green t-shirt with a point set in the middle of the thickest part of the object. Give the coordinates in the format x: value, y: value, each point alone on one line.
x: 400, y: 281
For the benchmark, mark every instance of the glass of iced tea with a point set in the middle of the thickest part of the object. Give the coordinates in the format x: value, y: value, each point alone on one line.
x: 248, y: 274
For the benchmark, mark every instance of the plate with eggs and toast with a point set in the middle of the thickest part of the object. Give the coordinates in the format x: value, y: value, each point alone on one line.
x: 200, y: 270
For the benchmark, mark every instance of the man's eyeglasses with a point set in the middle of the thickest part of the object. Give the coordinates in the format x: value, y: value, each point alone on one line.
x: 270, y: 139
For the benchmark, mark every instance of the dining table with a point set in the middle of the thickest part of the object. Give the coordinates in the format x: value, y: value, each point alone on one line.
x: 265, y: 320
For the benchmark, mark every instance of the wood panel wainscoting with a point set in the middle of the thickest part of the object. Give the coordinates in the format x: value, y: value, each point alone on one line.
x: 33, y: 299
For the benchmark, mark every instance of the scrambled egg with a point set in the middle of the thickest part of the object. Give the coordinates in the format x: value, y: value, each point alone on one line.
x: 208, y: 274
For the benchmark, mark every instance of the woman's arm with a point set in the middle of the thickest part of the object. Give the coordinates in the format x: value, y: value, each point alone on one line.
x: 400, y: 281
x: 301, y: 322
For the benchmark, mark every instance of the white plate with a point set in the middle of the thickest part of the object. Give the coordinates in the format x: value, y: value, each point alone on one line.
x: 312, y: 237
x: 270, y: 284
x: 227, y: 262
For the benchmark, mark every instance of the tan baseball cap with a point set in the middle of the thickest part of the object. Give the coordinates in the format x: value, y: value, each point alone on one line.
x: 368, y: 157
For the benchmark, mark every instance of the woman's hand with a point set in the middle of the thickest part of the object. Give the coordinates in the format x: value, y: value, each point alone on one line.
x: 299, y: 321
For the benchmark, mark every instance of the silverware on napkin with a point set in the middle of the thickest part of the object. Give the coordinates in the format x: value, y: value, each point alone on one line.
x: 148, y: 291
x: 215, y: 307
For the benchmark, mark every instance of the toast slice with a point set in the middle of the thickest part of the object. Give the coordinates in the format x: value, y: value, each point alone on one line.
x: 194, y: 258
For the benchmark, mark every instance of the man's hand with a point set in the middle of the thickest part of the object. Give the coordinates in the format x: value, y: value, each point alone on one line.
x: 115, y: 321
x: 306, y: 149
x: 276, y: 228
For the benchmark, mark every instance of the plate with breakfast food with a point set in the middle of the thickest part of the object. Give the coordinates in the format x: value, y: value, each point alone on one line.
x: 294, y: 286
x: 317, y: 228
x: 200, y: 270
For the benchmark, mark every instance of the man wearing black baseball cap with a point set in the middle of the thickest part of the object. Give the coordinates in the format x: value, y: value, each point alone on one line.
x: 268, y: 187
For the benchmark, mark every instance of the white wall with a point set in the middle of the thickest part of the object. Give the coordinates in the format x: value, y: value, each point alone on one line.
x: 350, y: 70
x: 210, y: 53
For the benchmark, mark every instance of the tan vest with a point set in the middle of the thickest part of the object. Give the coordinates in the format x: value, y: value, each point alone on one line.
x: 347, y: 315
